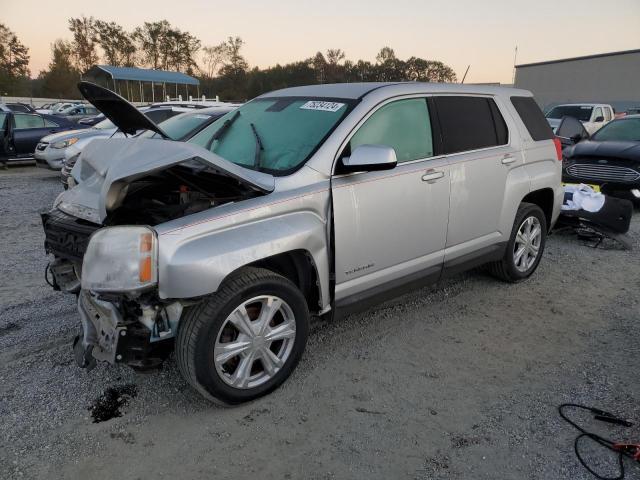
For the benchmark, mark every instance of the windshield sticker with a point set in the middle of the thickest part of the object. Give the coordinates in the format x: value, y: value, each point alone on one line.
x: 322, y: 106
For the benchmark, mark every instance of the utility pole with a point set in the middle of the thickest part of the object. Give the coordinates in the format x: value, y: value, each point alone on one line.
x: 515, y: 56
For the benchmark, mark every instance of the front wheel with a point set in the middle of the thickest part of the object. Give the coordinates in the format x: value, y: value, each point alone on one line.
x: 525, y: 247
x: 246, y: 339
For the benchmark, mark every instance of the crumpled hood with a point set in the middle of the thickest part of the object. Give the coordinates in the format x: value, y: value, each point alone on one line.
x: 605, y: 149
x: 106, y: 166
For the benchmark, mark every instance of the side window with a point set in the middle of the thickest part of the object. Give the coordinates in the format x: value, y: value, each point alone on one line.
x: 49, y: 123
x: 533, y: 118
x: 470, y: 123
x: 403, y: 125
x: 597, y: 112
x: 24, y: 120
x: 156, y: 116
x: 607, y: 114
x: 3, y: 121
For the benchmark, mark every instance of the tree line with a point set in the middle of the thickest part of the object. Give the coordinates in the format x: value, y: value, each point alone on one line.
x: 222, y: 68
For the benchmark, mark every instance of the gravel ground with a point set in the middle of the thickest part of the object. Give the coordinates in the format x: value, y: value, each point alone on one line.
x: 458, y: 381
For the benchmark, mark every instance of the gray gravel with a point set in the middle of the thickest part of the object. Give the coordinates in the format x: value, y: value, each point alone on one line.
x: 458, y: 381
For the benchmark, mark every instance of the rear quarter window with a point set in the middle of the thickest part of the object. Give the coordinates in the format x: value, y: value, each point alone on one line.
x: 533, y: 118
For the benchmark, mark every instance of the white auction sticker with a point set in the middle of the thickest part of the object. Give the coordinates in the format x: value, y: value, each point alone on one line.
x: 323, y: 106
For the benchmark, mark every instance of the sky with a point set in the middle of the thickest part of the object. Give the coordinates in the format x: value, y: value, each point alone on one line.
x: 482, y: 34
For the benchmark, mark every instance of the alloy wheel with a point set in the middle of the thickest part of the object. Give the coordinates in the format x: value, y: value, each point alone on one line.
x: 526, y: 248
x: 255, y: 341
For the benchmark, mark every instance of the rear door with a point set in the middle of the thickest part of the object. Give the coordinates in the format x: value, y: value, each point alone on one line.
x: 28, y: 129
x: 480, y: 156
x: 390, y: 226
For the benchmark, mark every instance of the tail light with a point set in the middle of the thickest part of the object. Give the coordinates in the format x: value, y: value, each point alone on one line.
x: 556, y: 142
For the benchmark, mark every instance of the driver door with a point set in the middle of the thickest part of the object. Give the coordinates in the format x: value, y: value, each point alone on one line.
x: 391, y: 226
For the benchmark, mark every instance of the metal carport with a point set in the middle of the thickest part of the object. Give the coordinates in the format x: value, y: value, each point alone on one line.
x: 119, y: 78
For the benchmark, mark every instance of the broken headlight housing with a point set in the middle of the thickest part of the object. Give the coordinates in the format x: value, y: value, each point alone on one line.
x: 121, y: 259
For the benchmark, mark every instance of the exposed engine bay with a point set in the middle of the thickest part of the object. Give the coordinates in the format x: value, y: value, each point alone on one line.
x: 173, y: 193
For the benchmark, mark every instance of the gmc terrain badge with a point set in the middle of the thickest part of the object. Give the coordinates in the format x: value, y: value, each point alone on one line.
x: 359, y: 269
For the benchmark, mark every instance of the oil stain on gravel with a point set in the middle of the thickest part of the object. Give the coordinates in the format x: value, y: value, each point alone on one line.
x: 107, y: 405
x: 9, y: 328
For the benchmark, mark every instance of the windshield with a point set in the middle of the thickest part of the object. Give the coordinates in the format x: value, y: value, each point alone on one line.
x: 181, y: 126
x: 627, y: 129
x: 104, y: 125
x: 582, y: 113
x: 276, y: 135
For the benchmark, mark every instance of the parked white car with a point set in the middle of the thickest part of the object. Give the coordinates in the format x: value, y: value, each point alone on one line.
x: 592, y: 115
x: 56, y: 108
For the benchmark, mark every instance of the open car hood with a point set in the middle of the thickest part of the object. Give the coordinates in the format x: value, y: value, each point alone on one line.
x: 106, y: 166
x: 123, y: 115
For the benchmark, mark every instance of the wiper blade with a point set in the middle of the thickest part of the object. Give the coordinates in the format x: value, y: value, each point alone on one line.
x: 259, y: 147
x: 223, y: 128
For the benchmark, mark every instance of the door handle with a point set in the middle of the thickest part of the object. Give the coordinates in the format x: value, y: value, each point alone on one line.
x: 507, y: 159
x: 432, y: 175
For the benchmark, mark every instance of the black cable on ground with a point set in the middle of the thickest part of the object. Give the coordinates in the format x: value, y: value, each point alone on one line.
x: 622, y: 450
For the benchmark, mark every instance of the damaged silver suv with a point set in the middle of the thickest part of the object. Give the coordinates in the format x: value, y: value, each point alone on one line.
x: 306, y: 201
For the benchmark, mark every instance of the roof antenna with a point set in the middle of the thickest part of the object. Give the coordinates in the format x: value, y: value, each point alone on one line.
x: 465, y: 74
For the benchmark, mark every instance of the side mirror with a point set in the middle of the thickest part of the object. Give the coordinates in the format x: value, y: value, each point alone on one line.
x: 599, y: 119
x: 575, y: 138
x: 369, y: 158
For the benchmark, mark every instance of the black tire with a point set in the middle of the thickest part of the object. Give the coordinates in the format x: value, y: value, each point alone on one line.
x: 200, y: 326
x: 506, y: 269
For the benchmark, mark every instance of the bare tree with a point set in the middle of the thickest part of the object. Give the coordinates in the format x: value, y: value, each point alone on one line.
x: 213, y: 57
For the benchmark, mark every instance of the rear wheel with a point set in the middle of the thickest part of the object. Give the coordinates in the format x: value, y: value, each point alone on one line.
x: 525, y: 247
x: 245, y: 340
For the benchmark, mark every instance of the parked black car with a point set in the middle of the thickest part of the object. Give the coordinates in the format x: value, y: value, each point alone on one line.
x: 21, y: 132
x: 610, y: 158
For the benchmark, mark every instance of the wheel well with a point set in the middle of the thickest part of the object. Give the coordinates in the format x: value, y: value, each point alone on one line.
x: 544, y: 199
x: 298, y: 267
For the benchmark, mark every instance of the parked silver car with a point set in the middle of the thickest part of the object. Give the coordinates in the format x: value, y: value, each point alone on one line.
x: 315, y: 200
x: 52, y: 149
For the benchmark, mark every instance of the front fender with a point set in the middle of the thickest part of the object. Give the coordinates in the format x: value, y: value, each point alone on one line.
x: 194, y: 266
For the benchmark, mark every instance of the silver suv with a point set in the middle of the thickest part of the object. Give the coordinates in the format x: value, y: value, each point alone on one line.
x: 315, y: 200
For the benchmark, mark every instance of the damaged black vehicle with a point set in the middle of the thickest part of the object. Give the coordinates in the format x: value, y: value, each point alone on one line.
x: 610, y: 158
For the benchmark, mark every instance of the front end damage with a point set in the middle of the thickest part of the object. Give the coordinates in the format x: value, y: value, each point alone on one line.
x: 124, y: 183
x: 120, y: 330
